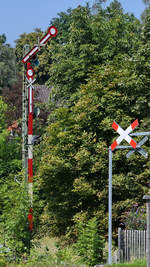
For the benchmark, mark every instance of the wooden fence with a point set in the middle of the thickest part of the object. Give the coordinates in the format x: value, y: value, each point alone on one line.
x: 131, y: 244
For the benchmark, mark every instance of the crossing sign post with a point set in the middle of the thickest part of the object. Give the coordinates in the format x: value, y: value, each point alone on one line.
x: 133, y: 146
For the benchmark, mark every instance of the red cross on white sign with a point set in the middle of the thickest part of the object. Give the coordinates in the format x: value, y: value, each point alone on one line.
x: 124, y: 134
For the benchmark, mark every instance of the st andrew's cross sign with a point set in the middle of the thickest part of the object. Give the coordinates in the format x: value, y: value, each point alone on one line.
x: 124, y: 134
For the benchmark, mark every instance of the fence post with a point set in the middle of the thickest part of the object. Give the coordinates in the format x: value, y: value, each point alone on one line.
x: 121, y: 245
x: 147, y: 198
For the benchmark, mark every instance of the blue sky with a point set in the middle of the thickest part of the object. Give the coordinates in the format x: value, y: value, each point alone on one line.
x: 19, y: 16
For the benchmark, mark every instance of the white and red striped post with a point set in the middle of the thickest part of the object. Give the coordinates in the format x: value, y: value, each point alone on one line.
x: 30, y: 76
x: 52, y: 32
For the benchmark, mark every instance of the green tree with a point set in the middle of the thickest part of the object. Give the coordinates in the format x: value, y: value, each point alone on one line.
x: 7, y: 64
x: 146, y: 12
x: 62, y: 22
x: 70, y: 71
x: 74, y: 165
x: 142, y: 67
x: 73, y: 170
x: 13, y: 98
x: 92, y: 39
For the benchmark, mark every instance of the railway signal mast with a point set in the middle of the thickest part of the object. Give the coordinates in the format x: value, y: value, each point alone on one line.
x: 52, y: 32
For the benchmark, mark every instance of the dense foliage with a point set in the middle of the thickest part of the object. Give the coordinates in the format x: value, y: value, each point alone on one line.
x: 13, y: 221
x: 98, y: 71
x: 93, y: 39
x: 7, y: 64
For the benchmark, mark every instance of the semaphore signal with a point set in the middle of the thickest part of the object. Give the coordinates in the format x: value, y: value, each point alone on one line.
x: 31, y: 55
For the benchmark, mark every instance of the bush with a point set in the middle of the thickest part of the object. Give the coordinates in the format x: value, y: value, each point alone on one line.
x: 135, y: 218
x: 14, y: 231
x: 89, y: 244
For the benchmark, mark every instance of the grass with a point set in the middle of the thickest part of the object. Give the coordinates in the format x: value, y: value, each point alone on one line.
x: 45, y: 254
x: 47, y: 263
x: 136, y: 263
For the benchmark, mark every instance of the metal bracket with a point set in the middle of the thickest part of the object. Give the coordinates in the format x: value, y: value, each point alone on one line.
x: 139, y: 149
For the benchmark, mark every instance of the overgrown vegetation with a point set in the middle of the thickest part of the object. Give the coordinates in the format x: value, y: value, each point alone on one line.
x: 98, y: 70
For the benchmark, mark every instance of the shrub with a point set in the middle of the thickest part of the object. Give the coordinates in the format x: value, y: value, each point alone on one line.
x: 89, y: 245
x: 135, y: 218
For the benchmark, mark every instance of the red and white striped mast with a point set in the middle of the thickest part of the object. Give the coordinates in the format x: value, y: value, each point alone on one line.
x: 52, y: 32
x: 30, y: 77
